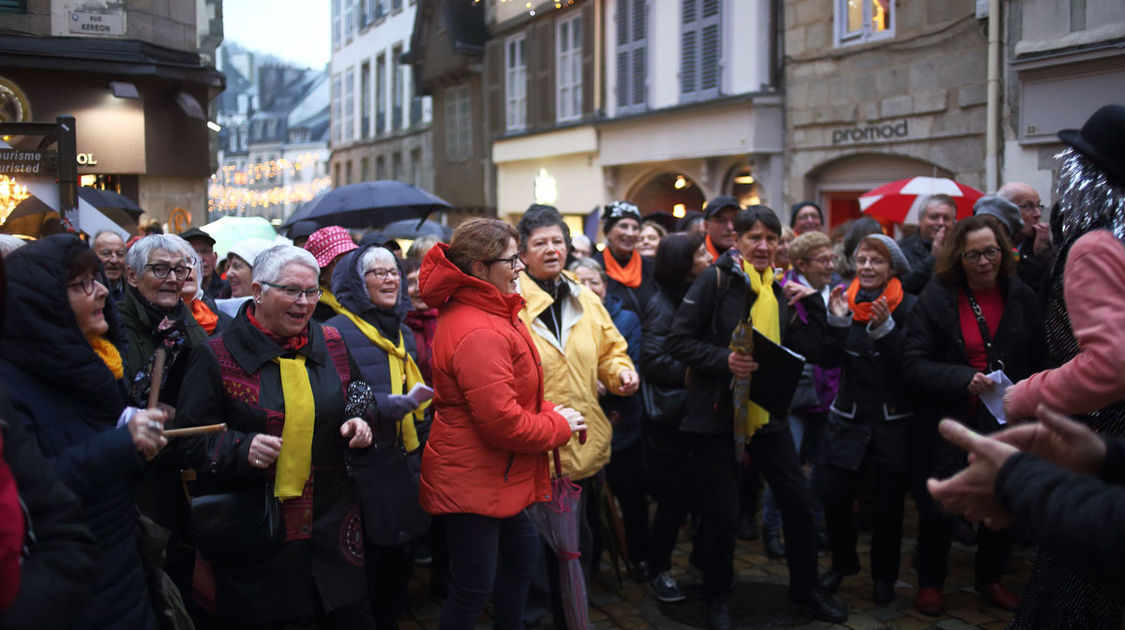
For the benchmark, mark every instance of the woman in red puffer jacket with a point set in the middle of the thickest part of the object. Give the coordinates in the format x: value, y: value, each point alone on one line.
x: 486, y: 458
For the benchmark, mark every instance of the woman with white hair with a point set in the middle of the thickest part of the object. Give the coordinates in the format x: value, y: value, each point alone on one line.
x: 279, y: 382
x: 366, y: 283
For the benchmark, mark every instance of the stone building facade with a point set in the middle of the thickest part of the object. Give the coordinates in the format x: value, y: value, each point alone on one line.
x: 878, y: 91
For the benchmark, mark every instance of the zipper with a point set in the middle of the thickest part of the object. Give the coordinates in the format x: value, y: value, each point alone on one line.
x: 508, y: 468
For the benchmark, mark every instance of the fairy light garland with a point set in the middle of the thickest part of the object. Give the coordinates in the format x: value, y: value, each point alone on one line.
x: 530, y: 6
x: 225, y: 198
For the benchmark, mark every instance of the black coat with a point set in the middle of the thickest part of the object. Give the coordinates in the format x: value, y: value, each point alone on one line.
x: 872, y: 407
x: 61, y: 556
x: 663, y: 374
x: 936, y: 364
x: 632, y: 299
x: 71, y: 403
x: 328, y: 557
x: 714, y: 305
x: 921, y: 257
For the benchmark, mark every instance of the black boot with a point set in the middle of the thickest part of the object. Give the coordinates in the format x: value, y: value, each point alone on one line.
x: 771, y: 540
x: 824, y: 606
x: 718, y: 612
x: 747, y: 528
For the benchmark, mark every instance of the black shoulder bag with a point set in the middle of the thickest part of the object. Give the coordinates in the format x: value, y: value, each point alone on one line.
x: 994, y: 363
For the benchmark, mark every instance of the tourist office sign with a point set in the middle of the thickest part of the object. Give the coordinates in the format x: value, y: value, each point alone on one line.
x: 62, y: 162
x: 21, y: 162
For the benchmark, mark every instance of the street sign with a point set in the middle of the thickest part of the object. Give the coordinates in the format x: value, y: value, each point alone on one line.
x: 97, y: 23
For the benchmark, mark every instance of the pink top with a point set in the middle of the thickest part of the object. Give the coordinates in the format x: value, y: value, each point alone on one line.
x: 1094, y: 291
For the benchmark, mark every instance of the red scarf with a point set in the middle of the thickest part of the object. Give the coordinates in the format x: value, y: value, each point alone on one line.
x: 205, y: 317
x: 296, y: 342
x: 862, y: 311
x: 711, y: 248
x: 629, y: 275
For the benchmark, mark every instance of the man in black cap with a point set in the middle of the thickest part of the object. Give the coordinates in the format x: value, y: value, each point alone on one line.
x: 213, y: 284
x: 718, y: 215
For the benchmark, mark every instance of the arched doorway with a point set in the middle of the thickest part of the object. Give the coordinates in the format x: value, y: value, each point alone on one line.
x: 838, y: 184
x: 670, y: 193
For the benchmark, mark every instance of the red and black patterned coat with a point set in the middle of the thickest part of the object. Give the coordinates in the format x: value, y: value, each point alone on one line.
x: 234, y: 379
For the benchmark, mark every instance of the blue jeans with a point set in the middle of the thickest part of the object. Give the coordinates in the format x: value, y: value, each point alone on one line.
x: 771, y: 515
x: 488, y: 556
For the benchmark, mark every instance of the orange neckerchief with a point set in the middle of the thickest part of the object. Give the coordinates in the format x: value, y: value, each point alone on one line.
x: 862, y: 311
x: 711, y: 248
x: 205, y: 317
x: 109, y: 355
x: 630, y: 275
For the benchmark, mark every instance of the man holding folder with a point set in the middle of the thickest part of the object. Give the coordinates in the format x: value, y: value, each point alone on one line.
x: 739, y: 292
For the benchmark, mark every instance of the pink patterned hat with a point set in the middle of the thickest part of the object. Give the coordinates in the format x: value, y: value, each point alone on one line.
x: 327, y: 243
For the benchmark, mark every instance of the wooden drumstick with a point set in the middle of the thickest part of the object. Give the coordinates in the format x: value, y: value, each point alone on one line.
x: 207, y: 428
x: 157, y: 377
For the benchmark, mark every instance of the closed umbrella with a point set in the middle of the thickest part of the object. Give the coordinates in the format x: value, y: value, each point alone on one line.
x: 899, y: 201
x: 557, y: 522
x: 369, y: 205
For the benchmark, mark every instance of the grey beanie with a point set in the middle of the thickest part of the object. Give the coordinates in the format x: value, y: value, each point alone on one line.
x: 1001, y: 208
x: 898, y: 259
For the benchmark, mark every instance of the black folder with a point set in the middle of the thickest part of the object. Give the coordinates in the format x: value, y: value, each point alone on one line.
x: 779, y: 369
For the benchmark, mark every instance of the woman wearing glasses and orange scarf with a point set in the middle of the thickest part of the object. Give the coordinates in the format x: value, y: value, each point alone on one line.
x: 279, y: 381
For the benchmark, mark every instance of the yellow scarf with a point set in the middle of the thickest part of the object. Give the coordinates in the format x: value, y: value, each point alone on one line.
x: 109, y: 355
x: 328, y: 299
x: 295, y: 461
x: 764, y: 317
x: 404, y: 374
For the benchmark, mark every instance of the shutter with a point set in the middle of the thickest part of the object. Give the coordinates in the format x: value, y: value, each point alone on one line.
x: 587, y: 86
x: 546, y: 71
x: 494, y: 86
x: 621, y: 90
x: 710, y: 52
x: 639, y: 76
x: 689, y: 49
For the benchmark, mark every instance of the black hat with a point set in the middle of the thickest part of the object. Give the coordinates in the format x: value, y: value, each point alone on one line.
x: 618, y: 210
x: 718, y: 204
x: 194, y: 232
x: 1001, y: 208
x: 1102, y: 139
x: 302, y: 229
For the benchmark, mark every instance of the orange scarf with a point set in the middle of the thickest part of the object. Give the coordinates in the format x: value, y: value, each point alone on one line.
x: 629, y: 275
x: 862, y: 311
x: 109, y: 355
x: 711, y: 248
x: 204, y: 316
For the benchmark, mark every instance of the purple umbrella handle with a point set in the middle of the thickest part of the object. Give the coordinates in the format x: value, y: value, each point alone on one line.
x: 558, y: 463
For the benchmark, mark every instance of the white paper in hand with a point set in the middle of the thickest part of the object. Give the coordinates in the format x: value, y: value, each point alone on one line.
x: 420, y: 393
x: 994, y: 399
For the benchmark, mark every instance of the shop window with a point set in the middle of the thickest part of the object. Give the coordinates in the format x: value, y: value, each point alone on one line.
x: 335, y: 24
x: 860, y: 21
x: 396, y: 166
x: 632, y: 55
x: 515, y: 86
x: 458, y: 123
x: 744, y: 187
x: 700, y: 49
x: 569, y: 68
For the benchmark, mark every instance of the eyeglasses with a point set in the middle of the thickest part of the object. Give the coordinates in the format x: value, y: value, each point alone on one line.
x: 874, y: 261
x: 295, y: 293
x: 990, y: 253
x: 381, y: 273
x: 512, y: 260
x: 106, y: 254
x: 1027, y: 205
x: 823, y: 260
x: 87, y: 285
x: 161, y: 270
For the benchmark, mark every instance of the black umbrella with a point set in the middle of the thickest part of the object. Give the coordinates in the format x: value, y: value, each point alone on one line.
x: 105, y: 199
x: 369, y: 205
x: 413, y: 229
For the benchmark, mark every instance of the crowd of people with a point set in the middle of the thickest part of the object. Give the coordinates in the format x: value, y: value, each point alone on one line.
x: 280, y: 437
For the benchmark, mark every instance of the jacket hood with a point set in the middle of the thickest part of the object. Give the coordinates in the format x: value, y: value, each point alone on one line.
x: 349, y: 286
x: 40, y: 333
x: 440, y: 281
x: 539, y: 300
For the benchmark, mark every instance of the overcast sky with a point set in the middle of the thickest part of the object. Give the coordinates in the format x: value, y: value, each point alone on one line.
x: 294, y: 30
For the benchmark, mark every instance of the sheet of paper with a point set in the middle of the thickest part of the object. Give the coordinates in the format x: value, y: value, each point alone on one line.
x: 994, y: 399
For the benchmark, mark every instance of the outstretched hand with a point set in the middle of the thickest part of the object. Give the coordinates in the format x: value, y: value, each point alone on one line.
x: 1059, y: 440
x: 971, y: 491
x: 358, y: 430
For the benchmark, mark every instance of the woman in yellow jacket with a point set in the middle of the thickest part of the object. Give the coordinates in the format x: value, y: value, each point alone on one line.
x: 578, y: 344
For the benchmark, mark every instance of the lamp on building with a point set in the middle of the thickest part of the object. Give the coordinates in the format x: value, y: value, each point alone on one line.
x: 124, y: 89
x: 679, y: 211
x: 744, y: 179
x: 11, y: 194
x: 681, y: 182
x: 190, y: 106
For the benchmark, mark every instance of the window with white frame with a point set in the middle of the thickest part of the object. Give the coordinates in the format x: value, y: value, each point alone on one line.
x: 515, y: 86
x: 700, y: 49
x: 458, y: 123
x: 632, y: 55
x: 335, y: 24
x: 859, y: 21
x: 336, y: 103
x: 397, y: 80
x: 349, y: 19
x: 349, y: 105
x: 569, y: 68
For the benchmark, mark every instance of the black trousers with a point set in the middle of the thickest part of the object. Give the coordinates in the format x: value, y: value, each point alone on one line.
x: 775, y: 456
x: 388, y: 581
x: 625, y: 476
x: 935, y: 538
x: 837, y: 489
x: 669, y: 471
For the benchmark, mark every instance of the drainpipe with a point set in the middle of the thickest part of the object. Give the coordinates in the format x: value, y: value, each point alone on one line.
x: 992, y: 140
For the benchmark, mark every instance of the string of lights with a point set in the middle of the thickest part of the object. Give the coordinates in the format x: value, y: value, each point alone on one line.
x: 530, y: 6
x: 230, y: 174
x: 225, y: 198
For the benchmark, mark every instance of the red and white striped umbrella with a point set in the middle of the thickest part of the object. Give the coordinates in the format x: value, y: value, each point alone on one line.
x: 899, y: 201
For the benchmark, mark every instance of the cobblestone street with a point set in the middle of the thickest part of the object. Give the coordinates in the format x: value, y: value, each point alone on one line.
x: 760, y: 599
